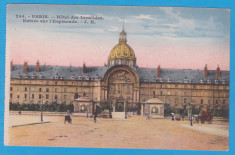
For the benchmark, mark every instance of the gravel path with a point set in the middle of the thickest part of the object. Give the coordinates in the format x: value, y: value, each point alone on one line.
x: 109, y: 133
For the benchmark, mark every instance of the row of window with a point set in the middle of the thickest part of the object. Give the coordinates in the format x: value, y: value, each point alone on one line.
x: 40, y: 89
x: 40, y: 96
x: 122, y: 62
x: 186, y: 80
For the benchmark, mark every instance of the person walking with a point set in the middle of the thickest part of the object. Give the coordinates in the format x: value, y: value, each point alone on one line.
x: 68, y: 117
x: 95, y: 115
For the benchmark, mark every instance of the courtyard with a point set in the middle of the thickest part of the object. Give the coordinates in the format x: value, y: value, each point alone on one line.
x: 134, y: 132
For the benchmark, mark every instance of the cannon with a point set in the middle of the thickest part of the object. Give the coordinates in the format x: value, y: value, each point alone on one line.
x: 205, y: 115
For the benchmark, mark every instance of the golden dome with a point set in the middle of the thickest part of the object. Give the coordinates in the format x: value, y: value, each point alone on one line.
x: 122, y: 53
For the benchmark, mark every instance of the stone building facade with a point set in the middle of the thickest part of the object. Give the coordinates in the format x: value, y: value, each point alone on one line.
x: 120, y: 83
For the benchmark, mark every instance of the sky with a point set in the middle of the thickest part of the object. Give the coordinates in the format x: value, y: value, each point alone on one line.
x: 174, y: 37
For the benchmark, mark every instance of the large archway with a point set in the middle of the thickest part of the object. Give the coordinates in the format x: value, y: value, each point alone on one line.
x: 122, y: 87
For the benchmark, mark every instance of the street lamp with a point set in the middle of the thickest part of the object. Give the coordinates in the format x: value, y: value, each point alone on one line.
x: 87, y: 110
x: 42, y: 109
x: 190, y: 112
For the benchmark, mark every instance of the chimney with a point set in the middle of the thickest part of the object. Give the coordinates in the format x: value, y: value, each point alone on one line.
x: 25, y: 66
x: 158, y: 71
x: 218, y: 72
x: 205, y: 71
x: 37, y: 66
x: 84, y: 68
x: 11, y: 67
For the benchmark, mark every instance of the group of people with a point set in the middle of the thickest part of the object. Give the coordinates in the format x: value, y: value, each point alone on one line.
x: 69, y: 119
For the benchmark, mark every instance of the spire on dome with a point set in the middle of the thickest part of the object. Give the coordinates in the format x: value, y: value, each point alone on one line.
x: 122, y: 38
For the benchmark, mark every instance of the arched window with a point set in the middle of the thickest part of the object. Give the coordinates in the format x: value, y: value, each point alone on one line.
x: 131, y: 63
x: 118, y: 61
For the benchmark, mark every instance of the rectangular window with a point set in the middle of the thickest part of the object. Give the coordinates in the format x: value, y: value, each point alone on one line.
x: 10, y: 95
x: 25, y: 89
x: 65, y: 97
x: 224, y: 101
x: 161, y: 93
x: 47, y: 90
x: 47, y: 96
x: 56, y: 96
x: 25, y: 96
x: 32, y: 96
x: 56, y: 89
x: 11, y: 88
x: 40, y: 89
x: 65, y: 90
x: 201, y: 101
x: 40, y: 96
x: 18, y: 96
x: 154, y: 94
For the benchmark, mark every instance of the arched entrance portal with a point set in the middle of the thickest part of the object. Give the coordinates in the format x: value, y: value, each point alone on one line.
x: 122, y: 87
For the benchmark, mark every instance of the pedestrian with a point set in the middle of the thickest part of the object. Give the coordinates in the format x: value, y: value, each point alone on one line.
x: 95, y: 115
x: 172, y: 116
x: 183, y: 117
x: 68, y: 117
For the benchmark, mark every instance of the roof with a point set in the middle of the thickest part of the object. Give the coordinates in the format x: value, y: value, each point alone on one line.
x: 154, y: 100
x: 82, y: 99
x: 144, y: 74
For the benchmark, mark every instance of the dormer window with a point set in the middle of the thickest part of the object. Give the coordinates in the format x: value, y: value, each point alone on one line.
x: 18, y: 75
x: 223, y: 82
x: 40, y: 75
x: 201, y: 81
x: 80, y: 77
x: 33, y: 76
x: 26, y: 75
x: 169, y: 80
x: 56, y: 77
x: 216, y: 82
x: 87, y: 77
x: 73, y: 76
x: 96, y: 78
x: 144, y: 79
x: 208, y: 81
x: 185, y: 80
x: 161, y: 80
x: 61, y: 77
x: 154, y: 79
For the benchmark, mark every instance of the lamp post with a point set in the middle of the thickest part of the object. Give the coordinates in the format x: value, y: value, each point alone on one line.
x: 42, y: 109
x: 87, y: 110
x: 190, y: 112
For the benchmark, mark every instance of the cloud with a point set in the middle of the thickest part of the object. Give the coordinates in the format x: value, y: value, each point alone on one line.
x: 114, y: 29
x: 142, y: 16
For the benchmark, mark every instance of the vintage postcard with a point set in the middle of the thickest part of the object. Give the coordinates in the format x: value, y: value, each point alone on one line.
x: 117, y: 77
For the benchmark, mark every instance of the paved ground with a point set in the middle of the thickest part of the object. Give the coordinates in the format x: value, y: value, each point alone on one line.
x: 109, y: 133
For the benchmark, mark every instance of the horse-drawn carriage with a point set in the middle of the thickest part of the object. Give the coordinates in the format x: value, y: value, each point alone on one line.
x: 205, y: 115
